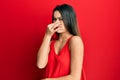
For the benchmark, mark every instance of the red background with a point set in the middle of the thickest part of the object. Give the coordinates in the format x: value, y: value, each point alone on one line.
x: 23, y: 24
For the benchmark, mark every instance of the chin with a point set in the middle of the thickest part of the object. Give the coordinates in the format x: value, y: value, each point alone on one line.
x: 59, y: 31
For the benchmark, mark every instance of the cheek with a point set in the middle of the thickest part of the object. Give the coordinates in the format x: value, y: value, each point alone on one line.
x: 62, y: 25
x: 62, y: 22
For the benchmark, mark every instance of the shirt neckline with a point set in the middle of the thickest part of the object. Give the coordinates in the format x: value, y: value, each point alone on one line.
x: 57, y: 54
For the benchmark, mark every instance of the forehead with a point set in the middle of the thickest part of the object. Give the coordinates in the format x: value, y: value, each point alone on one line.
x: 57, y: 14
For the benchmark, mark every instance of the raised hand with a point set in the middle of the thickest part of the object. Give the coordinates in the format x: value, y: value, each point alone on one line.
x: 52, y: 28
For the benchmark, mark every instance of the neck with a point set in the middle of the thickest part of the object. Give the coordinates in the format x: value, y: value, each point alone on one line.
x: 64, y: 36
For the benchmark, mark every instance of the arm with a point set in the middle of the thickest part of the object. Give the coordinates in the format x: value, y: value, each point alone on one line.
x: 42, y: 57
x: 44, y: 49
x: 76, y: 60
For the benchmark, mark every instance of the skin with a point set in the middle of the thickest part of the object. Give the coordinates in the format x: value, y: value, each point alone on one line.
x: 76, y: 50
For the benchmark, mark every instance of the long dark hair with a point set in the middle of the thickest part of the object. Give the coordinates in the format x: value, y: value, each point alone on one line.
x: 69, y: 18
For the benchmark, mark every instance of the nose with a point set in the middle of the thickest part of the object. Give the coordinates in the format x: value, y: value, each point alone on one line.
x: 57, y: 20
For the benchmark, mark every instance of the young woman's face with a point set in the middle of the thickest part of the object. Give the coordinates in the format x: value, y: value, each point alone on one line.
x: 58, y: 18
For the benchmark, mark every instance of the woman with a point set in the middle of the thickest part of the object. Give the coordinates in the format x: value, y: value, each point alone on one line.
x: 62, y: 57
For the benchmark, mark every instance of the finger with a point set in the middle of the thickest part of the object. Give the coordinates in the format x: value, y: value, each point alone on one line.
x: 55, y: 26
x: 50, y: 26
x: 57, y: 29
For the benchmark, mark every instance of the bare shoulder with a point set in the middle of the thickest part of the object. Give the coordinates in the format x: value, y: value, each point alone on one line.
x: 76, y: 41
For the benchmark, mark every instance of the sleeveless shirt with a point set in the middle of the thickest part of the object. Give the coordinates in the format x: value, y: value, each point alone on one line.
x: 59, y: 64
